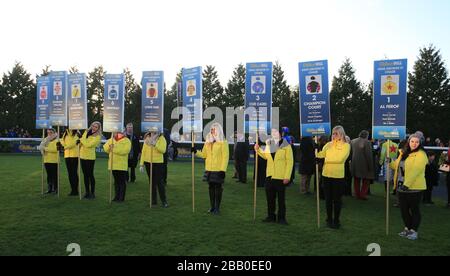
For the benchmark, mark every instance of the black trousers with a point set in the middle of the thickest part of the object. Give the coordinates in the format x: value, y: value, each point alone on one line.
x: 427, y: 195
x: 52, y: 176
x: 120, y: 180
x: 241, y: 168
x: 88, y: 172
x: 157, y: 177
x: 164, y: 171
x: 131, y: 173
x: 215, y: 195
x: 72, y: 170
x: 276, y: 189
x: 410, y: 209
x: 333, y: 190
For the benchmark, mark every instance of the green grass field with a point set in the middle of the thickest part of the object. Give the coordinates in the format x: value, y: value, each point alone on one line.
x: 34, y: 225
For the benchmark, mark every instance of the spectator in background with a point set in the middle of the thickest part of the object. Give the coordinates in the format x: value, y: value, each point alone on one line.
x: 241, y: 155
x: 362, y: 167
x: 428, y: 142
x: 431, y: 177
x: 133, y: 156
x: 307, y: 164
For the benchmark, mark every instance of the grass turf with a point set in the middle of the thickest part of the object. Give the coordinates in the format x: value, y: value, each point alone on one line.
x: 31, y: 224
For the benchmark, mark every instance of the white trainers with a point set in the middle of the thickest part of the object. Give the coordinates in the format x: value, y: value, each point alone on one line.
x: 413, y: 235
x: 405, y: 233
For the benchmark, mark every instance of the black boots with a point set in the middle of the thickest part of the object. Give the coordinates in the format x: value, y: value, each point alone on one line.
x: 215, y: 198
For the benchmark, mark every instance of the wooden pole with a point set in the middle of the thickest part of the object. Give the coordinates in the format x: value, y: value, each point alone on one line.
x: 42, y: 169
x: 111, y: 158
x: 58, y: 170
x: 255, y: 185
x: 193, y: 171
x: 388, y: 176
x: 317, y: 188
x: 79, y: 171
x: 151, y: 175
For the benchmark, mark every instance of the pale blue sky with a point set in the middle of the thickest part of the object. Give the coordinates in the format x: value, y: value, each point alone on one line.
x: 167, y: 35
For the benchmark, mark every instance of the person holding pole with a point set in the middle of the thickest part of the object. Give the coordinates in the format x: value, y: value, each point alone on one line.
x: 69, y: 143
x: 409, y: 180
x: 88, y: 143
x: 49, y: 150
x: 280, y: 162
x: 335, y: 154
x: 119, y: 145
x: 389, y: 150
x: 152, y: 158
x: 216, y: 155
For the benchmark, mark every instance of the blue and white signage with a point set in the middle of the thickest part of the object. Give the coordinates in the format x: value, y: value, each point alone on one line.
x: 152, y: 101
x: 113, y: 115
x: 77, y: 101
x: 192, y: 100
x: 58, y: 98
x: 42, y: 103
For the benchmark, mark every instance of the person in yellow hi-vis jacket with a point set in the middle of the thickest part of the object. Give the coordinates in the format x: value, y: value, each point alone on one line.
x: 335, y: 154
x: 90, y: 140
x: 69, y: 143
x: 153, y: 152
x: 280, y: 162
x: 216, y: 155
x: 49, y: 150
x: 120, y: 145
x: 409, y: 181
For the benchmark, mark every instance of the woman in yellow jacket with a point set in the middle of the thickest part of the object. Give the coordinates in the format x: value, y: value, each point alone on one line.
x: 70, y: 145
x: 280, y: 162
x: 409, y: 180
x: 88, y: 143
x: 153, y: 153
x: 49, y: 150
x: 120, y: 147
x: 335, y: 154
x: 216, y: 155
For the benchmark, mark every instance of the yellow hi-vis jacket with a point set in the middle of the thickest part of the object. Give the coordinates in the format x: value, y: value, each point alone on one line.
x: 120, y: 154
x: 335, y: 154
x: 157, y: 151
x: 69, y: 143
x: 51, y: 152
x: 281, y: 167
x: 216, y: 156
x: 414, y: 170
x: 88, y: 146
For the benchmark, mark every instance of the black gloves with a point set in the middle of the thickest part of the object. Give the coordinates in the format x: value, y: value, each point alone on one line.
x: 79, y: 134
x: 78, y: 142
x: 58, y: 144
x: 193, y: 150
x: 404, y: 188
x: 319, y: 160
x: 222, y: 175
x: 59, y: 147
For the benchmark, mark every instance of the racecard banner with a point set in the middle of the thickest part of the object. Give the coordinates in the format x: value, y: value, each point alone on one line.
x: 58, y: 98
x: 77, y: 101
x: 258, y: 97
x: 152, y: 101
x: 314, y: 99
x: 389, y: 101
x: 113, y: 116
x: 42, y: 103
x: 192, y: 100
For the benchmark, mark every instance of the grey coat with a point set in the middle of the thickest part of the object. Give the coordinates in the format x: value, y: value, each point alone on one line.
x: 362, y: 159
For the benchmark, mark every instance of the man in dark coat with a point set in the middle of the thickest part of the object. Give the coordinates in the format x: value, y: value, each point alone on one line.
x: 307, y: 163
x: 362, y: 165
x: 241, y: 155
x: 133, y: 156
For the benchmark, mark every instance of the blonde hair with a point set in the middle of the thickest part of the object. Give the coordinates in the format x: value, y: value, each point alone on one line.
x: 99, y: 125
x: 340, y: 131
x: 220, y: 137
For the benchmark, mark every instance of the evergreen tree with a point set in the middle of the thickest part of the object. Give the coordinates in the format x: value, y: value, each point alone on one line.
x: 171, y: 102
x: 350, y: 103
x: 95, y: 94
x: 429, y: 95
x: 133, y: 93
x: 234, y: 95
x: 283, y: 98
x: 212, y: 90
x: 17, y: 95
